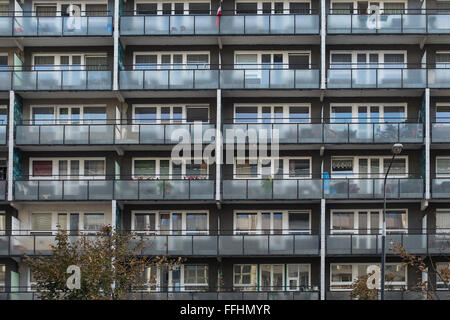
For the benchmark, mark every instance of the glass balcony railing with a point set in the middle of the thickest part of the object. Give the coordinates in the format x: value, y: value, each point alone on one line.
x: 411, y: 294
x: 370, y: 78
x: 271, y: 189
x: 37, y: 26
x: 372, y: 188
x: 362, y: 244
x: 261, y: 24
x: 439, y: 78
x: 287, y: 133
x: 96, y: 189
x: 176, y: 79
x: 440, y: 188
x: 178, y: 245
x: 222, y: 294
x: 440, y: 132
x: 108, y: 134
x: 52, y: 80
x: 3, y: 134
x: 309, y: 189
x: 3, y: 190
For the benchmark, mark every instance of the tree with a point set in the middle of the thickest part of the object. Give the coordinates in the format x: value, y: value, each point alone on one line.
x: 419, y: 264
x: 110, y: 262
x: 360, y: 290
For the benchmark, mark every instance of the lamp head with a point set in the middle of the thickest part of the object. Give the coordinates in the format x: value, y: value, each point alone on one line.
x: 397, y: 148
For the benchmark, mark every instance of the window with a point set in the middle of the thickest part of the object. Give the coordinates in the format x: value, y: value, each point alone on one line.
x: 442, y: 279
x: 170, y: 114
x: 271, y: 114
x: 145, y: 168
x: 442, y: 59
x: 368, y: 167
x: 172, y: 8
x: 272, y: 277
x: 298, y: 277
x: 272, y: 7
x: 2, y: 277
x: 368, y: 221
x: 270, y: 60
x: 174, y: 223
x: 41, y: 223
x: 368, y: 113
x: 2, y: 223
x: 245, y: 276
x: 272, y: 222
x: 195, y: 277
x: 442, y: 113
x: 282, y: 168
x: 70, y: 62
x: 4, y: 9
x: 62, y: 168
x: 362, y: 59
x: 67, y: 8
x: 442, y: 221
x: 169, y: 60
x: 342, y: 275
x: 93, y: 221
x: 363, y: 7
x: 68, y: 115
x: 151, y: 279
x: 442, y: 167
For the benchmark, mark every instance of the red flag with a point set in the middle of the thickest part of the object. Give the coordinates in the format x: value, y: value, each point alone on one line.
x: 219, y: 13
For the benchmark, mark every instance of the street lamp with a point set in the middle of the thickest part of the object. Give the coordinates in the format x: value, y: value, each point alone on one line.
x: 396, y: 149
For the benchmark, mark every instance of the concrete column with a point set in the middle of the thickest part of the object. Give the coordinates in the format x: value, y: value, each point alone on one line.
x: 427, y: 144
x: 11, y: 124
x: 116, y: 46
x: 219, y: 145
x: 323, y: 34
x: 113, y: 213
x: 322, y: 249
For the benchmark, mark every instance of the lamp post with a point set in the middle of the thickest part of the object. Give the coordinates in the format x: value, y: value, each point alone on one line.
x: 396, y: 149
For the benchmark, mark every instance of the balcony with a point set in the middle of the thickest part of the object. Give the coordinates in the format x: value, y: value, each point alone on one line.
x: 227, y: 24
x: 303, y: 294
x: 37, y: 26
x: 379, y: 78
x: 96, y: 189
x: 410, y: 22
x: 354, y: 133
x: 56, y: 80
x: 3, y: 134
x: 440, y: 132
x: 411, y: 294
x: 272, y: 189
x: 3, y: 190
x: 314, y: 189
x: 200, y: 244
x: 372, y: 188
x: 209, y: 79
x: 110, y: 134
x: 370, y: 244
x: 440, y: 188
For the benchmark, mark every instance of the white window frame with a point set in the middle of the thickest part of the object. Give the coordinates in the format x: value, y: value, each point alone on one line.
x: 259, y: 54
x: 58, y: 5
x: 57, y: 112
x: 378, y: 175
x: 159, y: 55
x: 439, y: 282
x: 356, y: 213
x: 54, y: 214
x: 246, y: 287
x: 157, y: 219
x: 447, y: 64
x: 285, y: 107
x: 272, y: 265
x: 57, y: 61
x: 171, y: 106
x: 442, y: 231
x: 159, y: 4
x: 285, y: 161
x: 158, y: 167
x: 55, y: 168
x: 201, y: 286
x: 355, y: 276
x: 381, y: 107
x: 441, y: 175
x: 3, y: 222
x: 287, y: 286
x: 355, y: 4
x: 285, y: 221
x: 354, y: 54
x: 286, y: 4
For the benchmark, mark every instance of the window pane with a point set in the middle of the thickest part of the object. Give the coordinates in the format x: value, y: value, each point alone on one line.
x: 194, y: 170
x: 246, y: 7
x: 394, y: 114
x: 96, y: 9
x: 146, y: 61
x: 245, y: 222
x: 443, y: 165
x: 246, y: 170
x: 93, y: 221
x: 341, y: 114
x: 343, y: 220
x: 144, y: 115
x: 144, y: 221
x: 42, y: 168
x: 144, y: 167
x: 198, y: 8
x: 342, y: 166
x: 43, y: 115
x: 62, y: 221
x: 94, y: 115
x: 41, y: 221
x: 2, y: 222
x: 94, y: 167
x: 146, y: 8
x: 398, y: 166
x: 443, y: 220
x: 298, y: 222
x: 196, y: 221
x: 298, y: 114
x: 442, y: 114
x: 341, y: 273
x: 197, y: 114
x: 96, y: 63
x: 246, y: 114
x: 245, y: 274
x: 396, y: 220
x: 299, y: 167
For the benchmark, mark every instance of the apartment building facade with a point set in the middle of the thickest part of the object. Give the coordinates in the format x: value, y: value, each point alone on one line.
x: 92, y: 92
